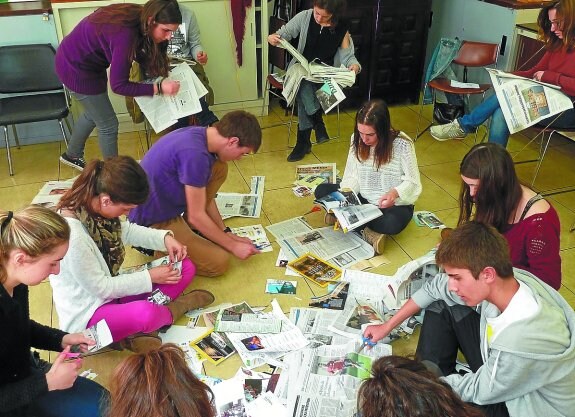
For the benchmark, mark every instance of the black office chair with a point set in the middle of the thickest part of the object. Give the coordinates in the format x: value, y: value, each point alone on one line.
x: 36, y: 94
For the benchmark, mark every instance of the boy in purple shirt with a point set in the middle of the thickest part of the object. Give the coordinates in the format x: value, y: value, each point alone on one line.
x: 185, y: 169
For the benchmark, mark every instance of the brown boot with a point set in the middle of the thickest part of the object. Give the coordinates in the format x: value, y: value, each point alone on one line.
x: 377, y: 240
x: 191, y: 301
x: 142, y: 342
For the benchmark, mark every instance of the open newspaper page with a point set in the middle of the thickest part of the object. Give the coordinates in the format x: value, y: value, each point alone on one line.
x: 242, y: 205
x: 351, y: 217
x: 289, y: 228
x: 525, y: 102
x: 314, y: 323
x: 51, y: 193
x: 323, y: 382
x: 235, y: 319
x: 325, y: 243
x: 162, y: 111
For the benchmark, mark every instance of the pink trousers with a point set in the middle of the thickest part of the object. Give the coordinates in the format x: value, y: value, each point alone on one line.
x: 133, y: 314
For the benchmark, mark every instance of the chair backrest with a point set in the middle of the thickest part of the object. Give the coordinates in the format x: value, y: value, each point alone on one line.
x: 277, y: 56
x: 477, y: 54
x: 28, y: 68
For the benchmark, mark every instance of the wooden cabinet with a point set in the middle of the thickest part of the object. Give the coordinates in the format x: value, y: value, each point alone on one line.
x: 529, y: 50
x: 390, y: 39
x: 234, y: 87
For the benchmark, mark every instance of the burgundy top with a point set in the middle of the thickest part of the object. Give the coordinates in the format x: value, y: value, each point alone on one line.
x: 534, y: 246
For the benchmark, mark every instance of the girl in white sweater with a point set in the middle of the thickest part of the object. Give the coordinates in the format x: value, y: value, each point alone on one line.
x: 89, y: 287
x: 382, y: 170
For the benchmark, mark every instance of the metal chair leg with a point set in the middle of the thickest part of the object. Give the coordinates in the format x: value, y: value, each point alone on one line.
x: 541, y: 156
x: 418, y: 133
x: 15, y: 132
x: 266, y: 97
x: 8, y: 154
x: 290, y: 125
x: 63, y: 132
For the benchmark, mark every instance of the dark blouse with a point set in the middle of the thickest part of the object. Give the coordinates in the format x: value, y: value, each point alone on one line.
x: 18, y: 385
x: 322, y: 42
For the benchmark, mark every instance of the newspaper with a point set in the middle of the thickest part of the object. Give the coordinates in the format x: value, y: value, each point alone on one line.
x: 314, y: 323
x: 242, y: 205
x: 325, y: 243
x: 257, y: 234
x: 289, y: 228
x: 525, y: 102
x: 311, y: 71
x: 329, y: 95
x: 100, y: 334
x: 51, y: 192
x: 351, y: 217
x: 326, y: 170
x: 162, y: 111
x: 323, y: 382
x: 235, y: 320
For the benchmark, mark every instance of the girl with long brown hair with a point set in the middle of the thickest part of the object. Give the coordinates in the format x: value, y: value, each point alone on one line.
x: 158, y: 384
x: 33, y: 241
x: 114, y: 36
x: 90, y: 286
x: 403, y: 387
x: 491, y: 193
x: 557, y: 30
x: 381, y: 169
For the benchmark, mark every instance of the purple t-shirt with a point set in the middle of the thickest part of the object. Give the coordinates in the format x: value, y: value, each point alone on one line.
x: 178, y: 159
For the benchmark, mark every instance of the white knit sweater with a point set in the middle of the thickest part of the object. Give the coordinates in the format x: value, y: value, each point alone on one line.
x: 85, y: 283
x: 401, y: 173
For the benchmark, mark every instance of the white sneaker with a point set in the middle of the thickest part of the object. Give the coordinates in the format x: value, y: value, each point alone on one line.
x: 448, y: 131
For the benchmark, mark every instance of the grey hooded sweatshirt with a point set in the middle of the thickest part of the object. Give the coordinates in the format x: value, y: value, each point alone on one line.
x: 530, y: 365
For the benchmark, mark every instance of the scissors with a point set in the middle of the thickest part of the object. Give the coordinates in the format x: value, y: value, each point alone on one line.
x: 366, y: 341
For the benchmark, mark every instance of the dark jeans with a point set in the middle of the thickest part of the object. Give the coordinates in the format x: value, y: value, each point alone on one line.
x: 85, y: 398
x: 393, y: 220
x: 447, y: 329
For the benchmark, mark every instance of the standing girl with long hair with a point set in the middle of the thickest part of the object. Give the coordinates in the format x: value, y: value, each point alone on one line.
x: 114, y: 36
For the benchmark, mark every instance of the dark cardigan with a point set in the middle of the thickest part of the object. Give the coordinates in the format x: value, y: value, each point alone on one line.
x: 19, y: 385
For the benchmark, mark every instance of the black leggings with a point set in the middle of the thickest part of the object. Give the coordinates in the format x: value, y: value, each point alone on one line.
x: 393, y: 220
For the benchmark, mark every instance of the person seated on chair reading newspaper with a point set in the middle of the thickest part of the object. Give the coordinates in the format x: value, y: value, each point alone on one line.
x: 323, y: 35
x: 557, y: 28
x: 382, y: 169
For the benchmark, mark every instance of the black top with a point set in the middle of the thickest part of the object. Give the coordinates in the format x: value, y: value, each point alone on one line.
x: 18, y: 385
x: 322, y: 42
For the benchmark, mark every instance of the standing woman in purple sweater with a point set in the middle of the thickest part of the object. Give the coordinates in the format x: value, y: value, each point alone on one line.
x: 114, y: 36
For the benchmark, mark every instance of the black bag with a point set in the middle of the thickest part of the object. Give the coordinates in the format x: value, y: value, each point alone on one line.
x: 446, y: 113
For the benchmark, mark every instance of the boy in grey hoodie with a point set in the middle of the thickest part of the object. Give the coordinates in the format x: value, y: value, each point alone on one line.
x: 517, y: 333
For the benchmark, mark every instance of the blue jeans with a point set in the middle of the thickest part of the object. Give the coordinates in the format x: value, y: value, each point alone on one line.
x: 498, y: 132
x: 85, y: 398
x: 98, y: 112
x: 307, y: 104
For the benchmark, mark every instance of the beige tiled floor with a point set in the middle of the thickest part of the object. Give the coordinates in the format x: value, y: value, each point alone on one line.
x: 439, y: 162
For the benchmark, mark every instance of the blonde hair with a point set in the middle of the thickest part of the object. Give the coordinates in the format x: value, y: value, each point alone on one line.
x: 35, y: 230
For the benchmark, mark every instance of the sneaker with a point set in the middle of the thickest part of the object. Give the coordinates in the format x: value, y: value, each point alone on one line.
x: 78, y: 163
x: 377, y: 240
x: 449, y: 131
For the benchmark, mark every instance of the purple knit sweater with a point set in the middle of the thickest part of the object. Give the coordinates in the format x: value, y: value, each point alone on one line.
x: 85, y: 53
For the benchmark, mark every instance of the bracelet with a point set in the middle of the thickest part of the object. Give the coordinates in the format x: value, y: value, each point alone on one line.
x: 227, y: 230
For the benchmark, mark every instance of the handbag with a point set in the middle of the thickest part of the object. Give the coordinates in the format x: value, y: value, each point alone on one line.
x: 136, y: 75
x: 445, y: 113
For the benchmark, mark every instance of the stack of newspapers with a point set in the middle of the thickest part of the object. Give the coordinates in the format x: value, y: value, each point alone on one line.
x: 311, y: 71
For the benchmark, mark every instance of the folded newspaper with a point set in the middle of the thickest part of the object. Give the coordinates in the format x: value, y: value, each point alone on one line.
x: 329, y: 95
x: 311, y: 71
x: 525, y: 102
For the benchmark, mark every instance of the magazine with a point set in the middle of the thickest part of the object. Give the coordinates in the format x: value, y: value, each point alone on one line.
x: 329, y: 95
x: 213, y: 347
x: 427, y: 218
x: 524, y: 102
x: 315, y: 269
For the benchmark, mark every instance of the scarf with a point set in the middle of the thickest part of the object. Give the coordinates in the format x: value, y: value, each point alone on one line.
x: 107, y: 234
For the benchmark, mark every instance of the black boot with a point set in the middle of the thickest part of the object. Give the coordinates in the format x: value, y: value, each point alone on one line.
x: 319, y: 127
x: 302, y: 146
